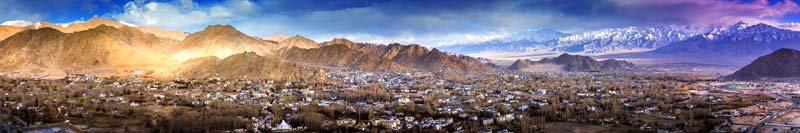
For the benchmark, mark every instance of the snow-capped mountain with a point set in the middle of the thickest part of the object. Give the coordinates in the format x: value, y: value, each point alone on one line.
x: 621, y: 40
x: 596, y: 42
x: 515, y: 42
x: 758, y: 32
x: 735, y: 45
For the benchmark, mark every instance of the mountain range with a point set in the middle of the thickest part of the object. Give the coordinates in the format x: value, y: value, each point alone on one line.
x: 735, y: 46
x: 570, y: 63
x: 730, y: 45
x: 116, y: 49
x: 85, y: 25
x: 243, y: 65
x: 393, y: 57
x: 596, y: 42
x: 101, y: 45
x: 220, y: 41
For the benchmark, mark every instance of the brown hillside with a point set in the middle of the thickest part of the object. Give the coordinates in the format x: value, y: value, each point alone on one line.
x: 244, y: 65
x: 220, y: 41
x: 99, y: 47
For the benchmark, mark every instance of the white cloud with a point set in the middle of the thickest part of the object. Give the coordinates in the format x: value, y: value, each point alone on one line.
x: 220, y: 11
x: 184, y: 15
x: 187, y: 3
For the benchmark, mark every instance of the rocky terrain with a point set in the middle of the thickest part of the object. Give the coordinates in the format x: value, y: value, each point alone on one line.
x: 94, y: 22
x: 340, y: 56
x: 216, y: 51
x: 247, y: 65
x: 99, y: 47
x: 6, y: 31
x: 570, y: 63
x: 220, y: 41
x: 342, y: 52
x: 297, y: 41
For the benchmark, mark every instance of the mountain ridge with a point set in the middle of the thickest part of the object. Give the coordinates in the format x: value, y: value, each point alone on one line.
x: 94, y: 22
x: 783, y: 63
x: 573, y: 63
x: 739, y: 46
x: 220, y: 41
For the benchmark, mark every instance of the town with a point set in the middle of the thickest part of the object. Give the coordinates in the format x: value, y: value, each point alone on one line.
x: 349, y: 100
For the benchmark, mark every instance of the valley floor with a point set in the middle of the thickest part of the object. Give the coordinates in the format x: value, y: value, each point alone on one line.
x: 420, y: 101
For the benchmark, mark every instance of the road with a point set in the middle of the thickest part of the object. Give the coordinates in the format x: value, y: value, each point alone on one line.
x: 769, y: 117
x: 758, y: 124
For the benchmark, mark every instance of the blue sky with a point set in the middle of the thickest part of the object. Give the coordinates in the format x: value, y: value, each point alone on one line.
x: 427, y: 22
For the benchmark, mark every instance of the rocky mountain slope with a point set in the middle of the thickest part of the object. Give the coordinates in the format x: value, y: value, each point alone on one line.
x: 571, y: 63
x: 340, y: 56
x: 102, y: 46
x: 218, y: 50
x: 297, y: 41
x: 220, y: 41
x: 91, y: 23
x: 782, y: 64
x: 246, y: 65
x: 344, y: 53
x: 6, y: 31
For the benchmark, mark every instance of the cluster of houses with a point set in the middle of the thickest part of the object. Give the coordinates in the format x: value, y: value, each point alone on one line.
x: 492, y: 102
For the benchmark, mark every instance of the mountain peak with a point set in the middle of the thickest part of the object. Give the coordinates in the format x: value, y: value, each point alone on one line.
x: 220, y: 28
x: 341, y: 41
x: 297, y: 37
x: 784, y: 51
x: 95, y: 19
x: 220, y: 41
x: 739, y: 25
x: 566, y: 55
x: 435, y: 50
x: 299, y: 42
x: 47, y: 29
x: 761, y: 27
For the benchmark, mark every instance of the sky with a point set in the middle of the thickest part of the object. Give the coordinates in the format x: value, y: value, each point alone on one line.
x: 426, y: 22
